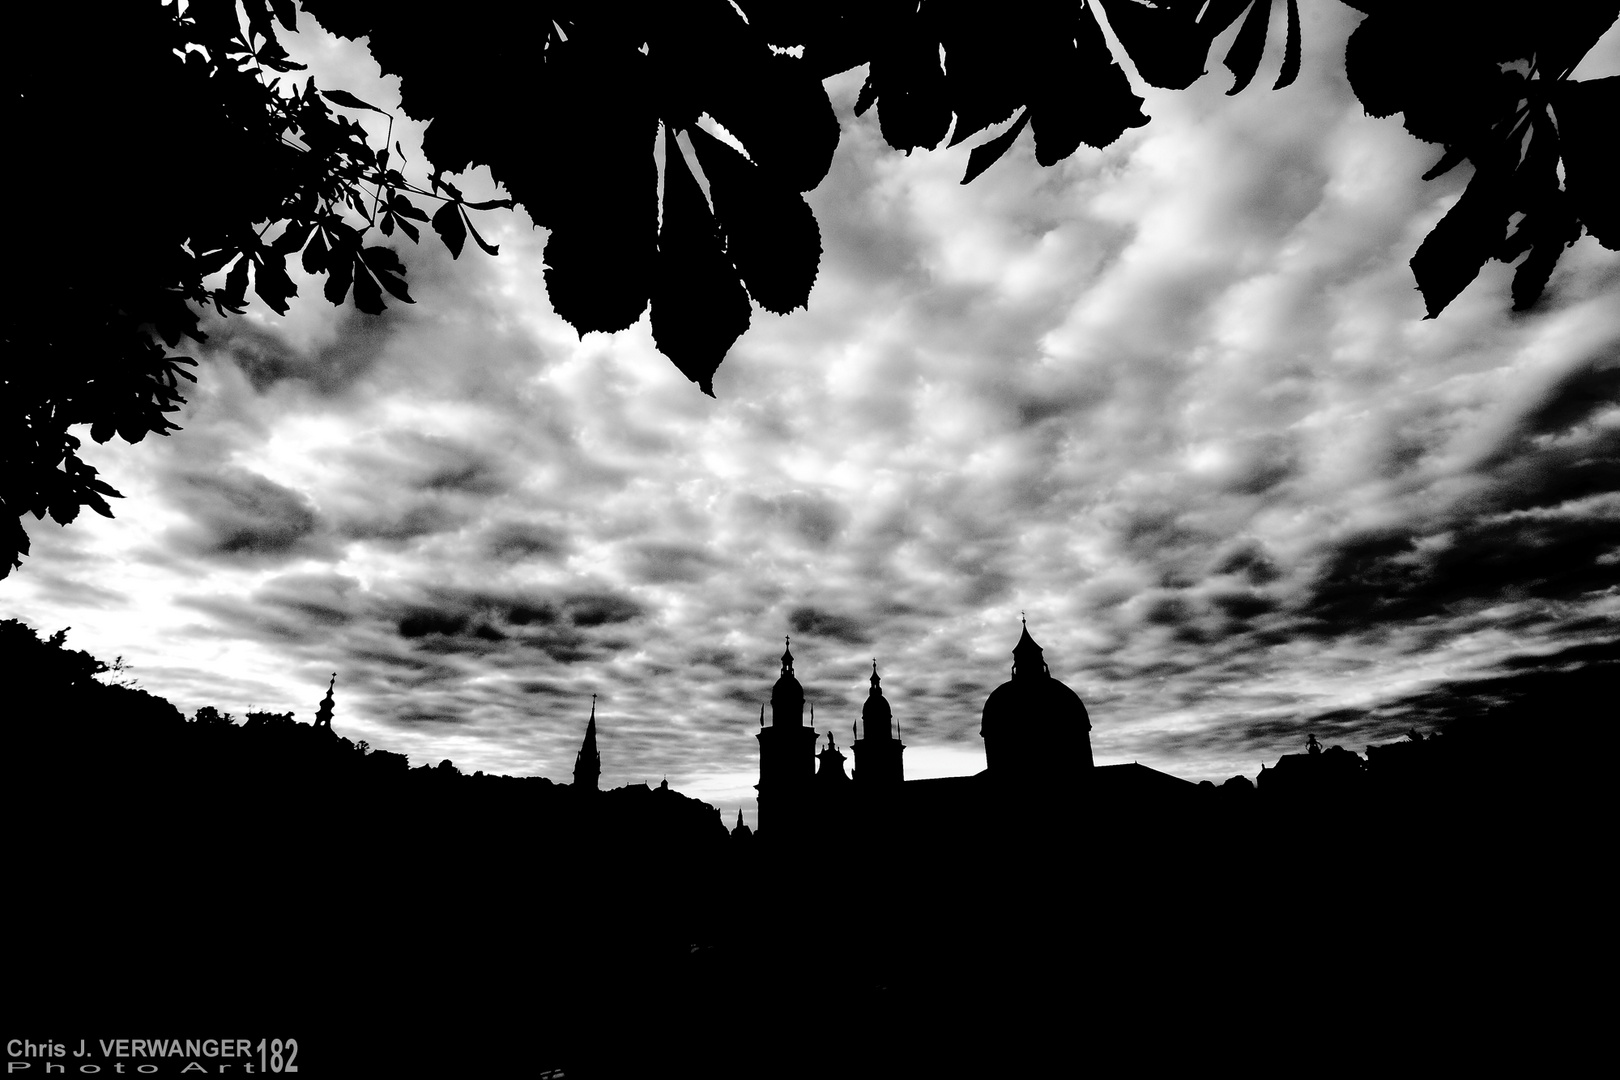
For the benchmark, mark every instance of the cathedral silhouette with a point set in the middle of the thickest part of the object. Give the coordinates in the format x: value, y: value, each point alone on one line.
x: 1039, y: 766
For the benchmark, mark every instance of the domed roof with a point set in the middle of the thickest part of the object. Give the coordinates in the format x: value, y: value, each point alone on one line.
x: 1040, y: 699
x: 1032, y: 698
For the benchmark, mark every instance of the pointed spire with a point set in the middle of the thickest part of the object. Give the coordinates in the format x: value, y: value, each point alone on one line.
x: 787, y: 656
x: 588, y: 765
x: 323, y: 715
x: 874, y: 679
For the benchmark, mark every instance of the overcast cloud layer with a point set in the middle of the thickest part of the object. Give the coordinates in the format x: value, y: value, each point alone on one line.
x: 1175, y: 400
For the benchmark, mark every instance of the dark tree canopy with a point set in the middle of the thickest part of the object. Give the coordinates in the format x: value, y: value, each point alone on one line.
x: 209, y: 156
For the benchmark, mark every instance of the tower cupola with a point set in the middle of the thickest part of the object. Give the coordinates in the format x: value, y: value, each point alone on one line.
x: 787, y: 696
x: 323, y: 715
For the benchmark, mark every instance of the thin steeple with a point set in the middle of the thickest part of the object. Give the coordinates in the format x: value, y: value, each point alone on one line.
x: 588, y: 766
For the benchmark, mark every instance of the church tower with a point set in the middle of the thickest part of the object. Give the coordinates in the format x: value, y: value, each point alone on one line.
x: 787, y: 758
x: 588, y: 766
x: 323, y: 715
x: 878, y: 761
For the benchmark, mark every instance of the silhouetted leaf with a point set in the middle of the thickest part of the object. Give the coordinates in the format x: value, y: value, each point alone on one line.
x: 489, y: 249
x: 602, y: 208
x: 1552, y: 235
x: 910, y: 87
x: 1453, y: 252
x: 314, y: 259
x: 384, y: 265
x: 1586, y: 112
x: 348, y: 100
x: 1167, y: 46
x: 777, y: 108
x: 293, y: 238
x: 340, y: 272
x: 699, y: 307
x: 584, y: 284
x: 1290, y: 65
x: 286, y: 12
x: 1375, y: 61
x: 1074, y: 65
x: 867, y: 96
x: 367, y: 293
x: 1243, y: 58
x: 271, y: 283
x: 402, y: 206
x: 236, y: 284
x: 447, y: 223
x: 987, y: 67
x: 771, y: 234
x: 1454, y: 156
x: 982, y: 157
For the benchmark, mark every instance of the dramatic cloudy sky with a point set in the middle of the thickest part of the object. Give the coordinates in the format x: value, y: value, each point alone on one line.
x: 1176, y: 400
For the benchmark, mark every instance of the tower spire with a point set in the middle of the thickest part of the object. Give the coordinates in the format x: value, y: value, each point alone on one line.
x: 588, y: 765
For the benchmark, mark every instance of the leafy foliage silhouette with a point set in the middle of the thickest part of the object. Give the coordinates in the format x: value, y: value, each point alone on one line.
x: 715, y: 108
x: 91, y: 326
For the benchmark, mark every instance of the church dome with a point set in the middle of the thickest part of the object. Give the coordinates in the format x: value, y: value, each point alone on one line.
x: 1032, y: 721
x: 1041, y: 702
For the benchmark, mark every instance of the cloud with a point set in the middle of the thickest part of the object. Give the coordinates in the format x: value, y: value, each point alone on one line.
x: 811, y: 622
x: 235, y: 514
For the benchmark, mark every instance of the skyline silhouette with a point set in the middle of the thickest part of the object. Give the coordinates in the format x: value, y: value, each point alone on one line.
x: 630, y: 918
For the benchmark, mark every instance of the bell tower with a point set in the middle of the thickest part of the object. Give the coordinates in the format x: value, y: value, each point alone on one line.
x: 787, y: 758
x: 878, y: 757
